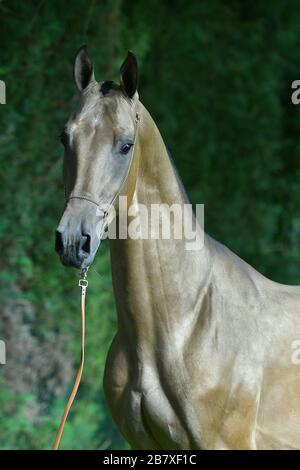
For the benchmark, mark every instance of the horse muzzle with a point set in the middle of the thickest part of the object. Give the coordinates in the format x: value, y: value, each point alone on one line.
x: 77, y: 237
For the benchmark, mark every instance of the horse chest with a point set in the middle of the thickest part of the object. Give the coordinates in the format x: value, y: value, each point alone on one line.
x: 152, y: 421
x: 143, y: 410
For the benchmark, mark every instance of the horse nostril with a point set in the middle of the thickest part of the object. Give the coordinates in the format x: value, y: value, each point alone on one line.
x: 86, y: 247
x: 59, y: 246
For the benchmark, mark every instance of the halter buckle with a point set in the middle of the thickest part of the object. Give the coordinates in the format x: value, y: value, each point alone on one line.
x: 83, y: 283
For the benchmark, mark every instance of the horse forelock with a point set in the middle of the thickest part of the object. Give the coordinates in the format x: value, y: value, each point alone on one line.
x: 100, y: 100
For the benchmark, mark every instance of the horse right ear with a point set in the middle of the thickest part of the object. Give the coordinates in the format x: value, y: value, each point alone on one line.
x: 83, y: 68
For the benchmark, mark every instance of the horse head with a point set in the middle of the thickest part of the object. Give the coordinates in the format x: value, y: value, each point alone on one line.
x: 98, y: 142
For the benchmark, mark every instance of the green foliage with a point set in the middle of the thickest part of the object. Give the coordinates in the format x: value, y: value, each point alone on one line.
x: 216, y: 76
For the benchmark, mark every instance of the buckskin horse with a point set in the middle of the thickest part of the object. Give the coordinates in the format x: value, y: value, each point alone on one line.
x: 202, y: 358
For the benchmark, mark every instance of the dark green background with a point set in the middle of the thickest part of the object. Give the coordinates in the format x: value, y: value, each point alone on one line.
x: 216, y: 76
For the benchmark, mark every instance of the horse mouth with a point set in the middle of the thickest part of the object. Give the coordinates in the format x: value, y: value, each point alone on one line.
x: 77, y: 255
x: 76, y: 237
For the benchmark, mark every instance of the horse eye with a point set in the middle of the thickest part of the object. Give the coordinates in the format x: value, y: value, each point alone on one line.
x: 64, y: 137
x: 125, y: 148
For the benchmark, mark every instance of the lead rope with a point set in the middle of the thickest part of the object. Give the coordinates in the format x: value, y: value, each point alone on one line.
x: 83, y: 284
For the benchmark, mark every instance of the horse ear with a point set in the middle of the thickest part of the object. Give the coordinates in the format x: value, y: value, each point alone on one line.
x: 83, y: 68
x: 129, y: 75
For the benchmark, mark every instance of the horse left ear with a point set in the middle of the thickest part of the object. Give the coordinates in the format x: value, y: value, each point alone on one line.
x: 83, y: 68
x: 129, y: 75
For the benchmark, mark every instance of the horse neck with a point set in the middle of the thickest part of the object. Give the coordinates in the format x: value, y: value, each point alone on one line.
x: 154, y: 277
x: 156, y: 180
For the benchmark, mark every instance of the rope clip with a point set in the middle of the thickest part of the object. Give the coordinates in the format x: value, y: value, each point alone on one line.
x: 83, y: 282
